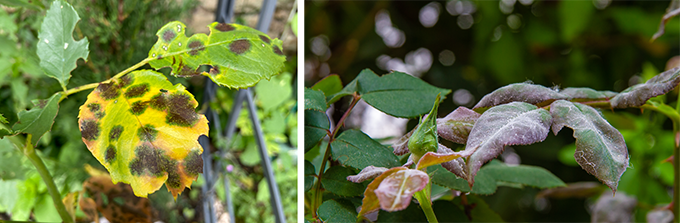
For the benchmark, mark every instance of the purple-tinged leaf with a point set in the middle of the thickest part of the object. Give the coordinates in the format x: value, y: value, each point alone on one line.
x: 456, y: 166
x: 401, y: 146
x: 672, y: 11
x: 638, y: 94
x: 397, y: 189
x: 456, y: 126
x: 524, y: 92
x: 660, y: 215
x: 600, y: 148
x: 369, y: 172
x: 370, y: 202
x: 609, y: 208
x: 516, y: 123
x: 586, y: 93
x: 431, y: 159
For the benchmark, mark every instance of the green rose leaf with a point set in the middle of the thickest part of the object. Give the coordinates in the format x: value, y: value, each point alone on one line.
x: 356, y: 149
x: 335, y: 181
x: 4, y: 130
x: 329, y: 85
x: 240, y: 56
x: 316, y: 127
x: 39, y: 119
x: 310, y: 171
x: 340, y: 210
x: 315, y: 100
x: 523, y: 174
x: 57, y: 50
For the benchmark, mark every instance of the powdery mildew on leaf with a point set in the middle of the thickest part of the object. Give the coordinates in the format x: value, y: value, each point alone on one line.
x: 456, y: 126
x: 586, y: 93
x: 145, y: 132
x: 367, y: 173
x: 456, y: 166
x: 672, y: 11
x: 370, y: 202
x: 401, y: 145
x: 600, y: 148
x: 397, y: 189
x: 523, y: 92
x: 240, y: 56
x: 516, y: 123
x: 638, y: 94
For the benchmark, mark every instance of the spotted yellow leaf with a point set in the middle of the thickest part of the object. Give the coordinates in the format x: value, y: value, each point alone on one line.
x: 144, y: 130
x: 240, y: 56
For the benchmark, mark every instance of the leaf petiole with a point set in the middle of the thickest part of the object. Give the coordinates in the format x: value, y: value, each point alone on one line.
x: 94, y: 85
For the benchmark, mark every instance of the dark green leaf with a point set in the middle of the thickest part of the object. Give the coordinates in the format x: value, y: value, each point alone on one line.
x: 340, y: 210
x: 523, y: 174
x: 480, y: 210
x: 310, y: 172
x: 412, y: 213
x: 329, y: 85
x: 335, y: 181
x: 484, y: 184
x: 638, y: 94
x: 446, y: 211
x: 316, y: 127
x: 522, y: 92
x: 456, y: 126
x: 39, y: 119
x: 22, y: 3
x: 600, y: 148
x: 57, y: 50
x: 315, y: 100
x: 356, y: 149
x: 349, y: 89
x: 431, y: 159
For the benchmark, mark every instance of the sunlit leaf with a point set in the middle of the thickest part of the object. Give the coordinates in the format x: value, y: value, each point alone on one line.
x: 397, y: 189
x: 516, y: 123
x: 600, y: 148
x: 39, y: 119
x: 145, y: 132
x: 456, y: 126
x: 367, y: 173
x: 335, y: 181
x: 672, y: 11
x: 522, y: 92
x: 638, y: 94
x: 356, y: 149
x: 370, y: 202
x: 57, y: 50
x: 240, y: 56
x: 586, y: 93
x: 337, y: 211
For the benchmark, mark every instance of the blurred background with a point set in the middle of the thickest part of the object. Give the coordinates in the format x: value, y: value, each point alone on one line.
x: 475, y: 47
x: 120, y: 34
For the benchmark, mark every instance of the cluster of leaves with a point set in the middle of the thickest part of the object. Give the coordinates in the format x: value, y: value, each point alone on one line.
x: 517, y: 114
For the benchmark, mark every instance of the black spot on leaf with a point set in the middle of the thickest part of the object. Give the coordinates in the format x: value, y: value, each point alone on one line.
x: 110, y: 153
x: 188, y: 72
x: 196, y: 46
x: 180, y: 111
x: 137, y: 91
x: 168, y: 35
x: 163, y: 90
x: 125, y: 81
x: 147, y: 133
x: 99, y: 115
x: 138, y: 107
x: 159, y: 102
x: 239, y: 46
x: 224, y: 27
x: 153, y: 161
x: 264, y: 38
x: 108, y: 91
x: 277, y: 50
x: 193, y: 164
x: 89, y: 130
x: 94, y: 107
x: 41, y: 103
x: 115, y: 132
x: 173, y: 179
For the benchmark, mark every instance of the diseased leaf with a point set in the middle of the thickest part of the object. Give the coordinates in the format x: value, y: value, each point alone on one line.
x: 315, y: 100
x: 586, y: 93
x: 240, y: 56
x: 431, y: 159
x: 401, y: 145
x: 660, y: 215
x: 339, y: 210
x: 522, y: 92
x: 329, y: 85
x: 610, y: 208
x: 516, y: 123
x: 526, y: 175
x: 397, y: 189
x: 424, y: 139
x: 367, y: 173
x: 310, y: 172
x: 145, y: 132
x: 110, y: 199
x: 672, y: 11
x: 316, y: 127
x: 39, y: 119
x: 456, y: 166
x: 335, y: 181
x: 600, y: 148
x: 456, y: 126
x: 370, y: 202
x: 57, y: 50
x: 356, y: 149
x: 638, y: 94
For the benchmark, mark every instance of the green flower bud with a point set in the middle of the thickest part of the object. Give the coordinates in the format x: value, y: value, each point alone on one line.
x: 424, y: 139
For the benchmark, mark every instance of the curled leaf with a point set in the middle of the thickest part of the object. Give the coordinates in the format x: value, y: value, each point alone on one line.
x: 431, y: 159
x: 367, y: 173
x: 522, y: 92
x: 370, y: 202
x: 395, y: 191
x: 672, y: 11
x: 240, y: 56
x: 401, y: 145
x: 516, y: 123
x: 586, y: 93
x: 638, y: 94
x: 456, y: 126
x: 456, y: 166
x: 600, y: 148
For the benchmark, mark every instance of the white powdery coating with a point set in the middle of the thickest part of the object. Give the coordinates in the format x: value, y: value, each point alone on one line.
x: 516, y: 123
x: 395, y: 191
x: 637, y: 95
x: 586, y: 93
x: 456, y: 166
x: 520, y: 92
x: 367, y: 173
x: 456, y: 126
x: 600, y: 148
x: 401, y: 146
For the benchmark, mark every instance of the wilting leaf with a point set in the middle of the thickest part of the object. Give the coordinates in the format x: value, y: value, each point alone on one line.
x: 39, y: 119
x: 367, y: 173
x: 586, y: 93
x: 145, y: 132
x: 356, y: 149
x: 310, y: 171
x: 89, y: 207
x: 240, y: 56
x: 523, y: 92
x: 516, y: 123
x: 397, y: 189
x: 431, y: 159
x: 672, y: 11
x: 609, y: 208
x: 370, y: 202
x: 116, y: 202
x: 424, y: 139
x: 340, y: 210
x: 456, y: 126
x: 638, y: 94
x: 70, y: 202
x: 526, y: 175
x: 329, y: 85
x: 401, y: 145
x: 335, y: 181
x: 600, y: 148
x: 57, y: 50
